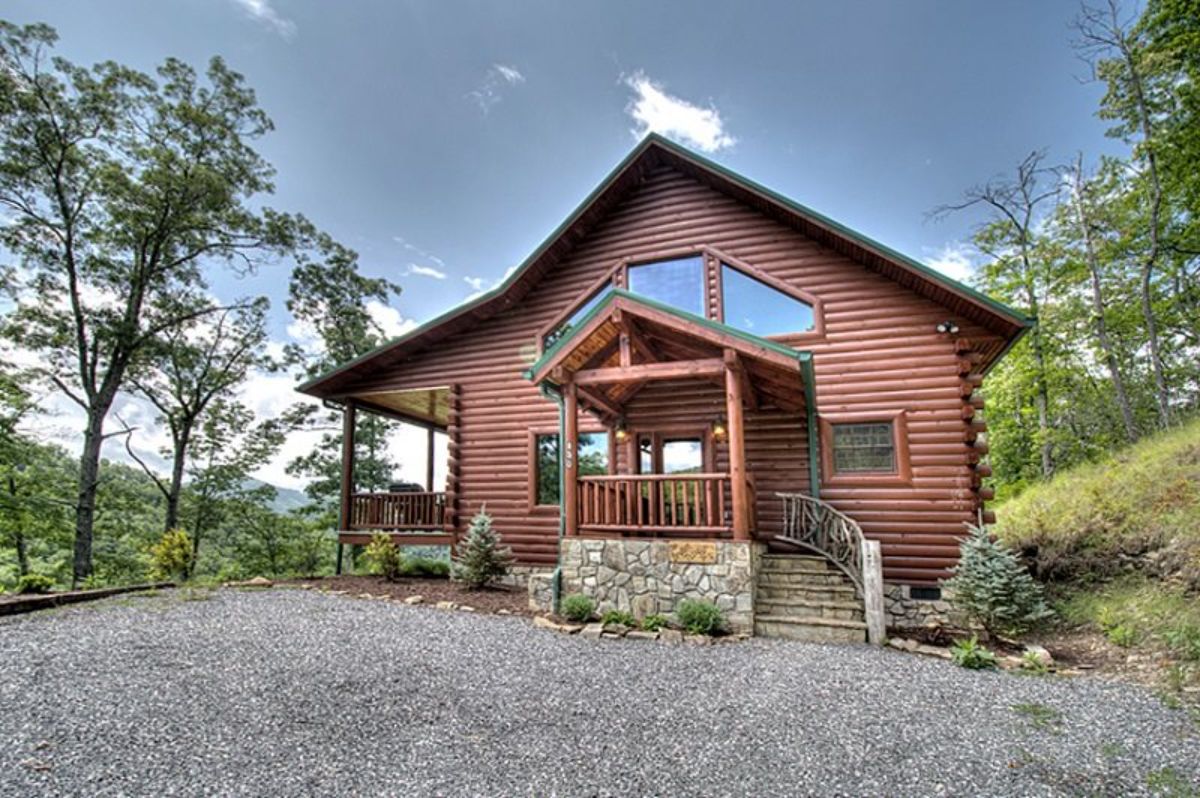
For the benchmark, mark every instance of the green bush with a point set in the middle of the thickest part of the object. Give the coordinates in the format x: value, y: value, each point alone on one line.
x: 700, y: 617
x: 35, y: 583
x: 993, y: 588
x: 618, y: 616
x: 171, y: 556
x: 429, y: 567
x: 578, y: 607
x: 652, y: 623
x: 1032, y: 663
x: 969, y: 654
x: 481, y: 559
x: 1184, y: 640
x: 1122, y: 635
x: 383, y: 556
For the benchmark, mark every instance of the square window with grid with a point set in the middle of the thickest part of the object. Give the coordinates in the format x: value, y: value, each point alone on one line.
x: 864, y: 448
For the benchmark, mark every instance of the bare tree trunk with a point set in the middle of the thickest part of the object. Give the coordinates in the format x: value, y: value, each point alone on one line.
x: 18, y: 530
x: 1041, y: 398
x: 89, y: 480
x: 1099, y: 307
x: 175, y: 490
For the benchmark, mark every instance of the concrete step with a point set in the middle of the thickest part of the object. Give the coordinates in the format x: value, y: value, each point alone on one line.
x: 806, y: 577
x: 807, y: 592
x: 809, y: 608
x: 811, y: 630
x: 793, y: 563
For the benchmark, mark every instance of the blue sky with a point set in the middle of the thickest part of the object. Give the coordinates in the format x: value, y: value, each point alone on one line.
x: 445, y: 140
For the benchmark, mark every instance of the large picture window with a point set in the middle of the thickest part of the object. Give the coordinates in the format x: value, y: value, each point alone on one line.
x: 678, y: 282
x: 593, y: 459
x: 760, y: 309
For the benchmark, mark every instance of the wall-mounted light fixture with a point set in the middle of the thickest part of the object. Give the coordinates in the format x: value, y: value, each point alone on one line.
x: 622, y: 431
x: 948, y: 326
x: 719, y: 427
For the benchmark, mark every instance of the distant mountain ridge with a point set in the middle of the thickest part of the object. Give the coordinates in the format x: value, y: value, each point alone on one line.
x: 286, y: 499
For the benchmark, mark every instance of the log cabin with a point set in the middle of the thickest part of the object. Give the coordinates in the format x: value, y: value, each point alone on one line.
x: 696, y: 387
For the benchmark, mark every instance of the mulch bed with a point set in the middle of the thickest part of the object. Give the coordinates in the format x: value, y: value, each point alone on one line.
x: 515, y: 600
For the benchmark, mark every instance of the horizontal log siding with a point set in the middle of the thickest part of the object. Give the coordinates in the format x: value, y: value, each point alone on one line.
x: 879, y: 352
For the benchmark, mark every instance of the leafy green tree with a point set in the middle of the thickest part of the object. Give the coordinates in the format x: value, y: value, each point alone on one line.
x: 120, y: 189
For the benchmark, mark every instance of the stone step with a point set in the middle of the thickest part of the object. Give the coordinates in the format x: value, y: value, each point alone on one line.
x: 811, y: 577
x: 809, y: 592
x: 811, y: 630
x: 793, y: 563
x: 809, y: 608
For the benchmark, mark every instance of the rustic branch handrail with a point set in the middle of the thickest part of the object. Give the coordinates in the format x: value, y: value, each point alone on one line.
x: 816, y: 525
x: 416, y: 510
x: 655, y: 503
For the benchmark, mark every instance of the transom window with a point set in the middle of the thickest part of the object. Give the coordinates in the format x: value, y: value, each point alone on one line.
x: 760, y: 309
x: 864, y: 448
x: 593, y: 459
x: 678, y: 282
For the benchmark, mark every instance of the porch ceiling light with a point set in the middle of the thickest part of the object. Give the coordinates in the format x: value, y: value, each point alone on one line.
x: 719, y: 427
x: 622, y: 431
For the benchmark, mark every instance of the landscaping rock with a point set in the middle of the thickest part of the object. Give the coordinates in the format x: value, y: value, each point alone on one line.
x: 542, y: 622
x: 638, y: 634
x: 503, y: 611
x: 697, y: 640
x: 670, y: 636
x: 447, y: 605
x: 466, y: 608
x: 903, y: 643
x: 618, y: 629
x: 932, y: 651
x: 414, y: 600
x: 592, y: 631
x: 1043, y: 656
x: 258, y: 581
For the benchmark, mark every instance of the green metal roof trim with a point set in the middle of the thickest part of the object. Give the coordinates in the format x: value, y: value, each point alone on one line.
x: 682, y: 315
x: 504, y: 286
x: 848, y: 232
x: 727, y: 174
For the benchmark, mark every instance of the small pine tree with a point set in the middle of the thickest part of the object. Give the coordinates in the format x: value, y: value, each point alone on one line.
x: 480, y: 559
x: 993, y: 588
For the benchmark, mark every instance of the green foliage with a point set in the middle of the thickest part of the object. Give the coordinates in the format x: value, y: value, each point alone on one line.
x: 171, y: 556
x: 700, y: 617
x: 428, y: 567
x: 578, y: 607
x: 1183, y: 639
x: 1087, y: 522
x: 971, y: 655
x: 993, y: 588
x: 618, y: 616
x: 383, y: 556
x: 35, y: 583
x: 481, y: 559
x: 1121, y: 635
x: 652, y: 623
x: 1042, y: 716
x: 1032, y: 663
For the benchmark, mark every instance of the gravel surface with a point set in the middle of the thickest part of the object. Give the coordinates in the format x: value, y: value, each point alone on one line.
x: 287, y: 692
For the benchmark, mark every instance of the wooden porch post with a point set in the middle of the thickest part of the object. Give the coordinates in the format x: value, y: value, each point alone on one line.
x: 429, y: 444
x: 349, y: 417
x: 567, y: 449
x: 737, y: 448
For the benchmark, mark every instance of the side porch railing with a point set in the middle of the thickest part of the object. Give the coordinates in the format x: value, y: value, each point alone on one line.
x: 392, y: 511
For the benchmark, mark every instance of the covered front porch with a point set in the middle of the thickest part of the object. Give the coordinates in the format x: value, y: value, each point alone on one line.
x: 628, y: 348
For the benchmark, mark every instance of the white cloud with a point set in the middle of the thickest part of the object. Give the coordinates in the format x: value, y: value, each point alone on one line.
x: 425, y: 271
x: 476, y: 283
x: 491, y: 89
x: 953, y: 260
x: 411, y: 247
x: 481, y: 285
x: 263, y: 12
x: 389, y: 319
x: 656, y: 111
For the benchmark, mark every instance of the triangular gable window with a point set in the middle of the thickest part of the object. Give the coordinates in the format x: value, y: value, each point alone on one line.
x: 678, y: 282
x: 761, y: 309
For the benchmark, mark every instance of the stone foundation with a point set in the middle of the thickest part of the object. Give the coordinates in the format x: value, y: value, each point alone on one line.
x: 647, y: 577
x: 903, y: 612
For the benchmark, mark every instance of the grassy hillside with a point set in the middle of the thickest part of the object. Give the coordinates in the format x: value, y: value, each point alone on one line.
x: 1118, y: 545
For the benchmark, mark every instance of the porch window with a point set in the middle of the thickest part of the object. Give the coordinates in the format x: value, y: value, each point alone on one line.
x: 866, y: 448
x: 760, y: 309
x: 593, y: 459
x: 670, y: 455
x: 678, y: 282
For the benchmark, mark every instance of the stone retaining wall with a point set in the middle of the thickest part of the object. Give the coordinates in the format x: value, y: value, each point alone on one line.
x: 905, y: 612
x: 647, y: 577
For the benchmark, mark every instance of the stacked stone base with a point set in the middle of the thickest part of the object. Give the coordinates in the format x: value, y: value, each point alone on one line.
x: 905, y: 613
x: 649, y: 577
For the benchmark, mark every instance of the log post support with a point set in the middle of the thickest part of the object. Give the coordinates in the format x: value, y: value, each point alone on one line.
x: 737, y: 448
x: 430, y: 443
x: 453, y: 461
x: 568, y: 447
x: 349, y: 419
x: 872, y: 576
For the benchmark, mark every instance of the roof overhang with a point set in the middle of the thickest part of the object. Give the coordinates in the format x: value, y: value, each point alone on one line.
x: 653, y: 152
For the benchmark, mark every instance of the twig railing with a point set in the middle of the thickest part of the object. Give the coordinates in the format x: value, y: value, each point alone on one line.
x: 816, y: 525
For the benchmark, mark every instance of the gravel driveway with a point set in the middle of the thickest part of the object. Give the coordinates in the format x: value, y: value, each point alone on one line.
x: 286, y: 692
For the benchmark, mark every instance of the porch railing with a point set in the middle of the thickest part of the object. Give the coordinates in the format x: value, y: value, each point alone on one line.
x: 397, y: 510
x: 655, y: 503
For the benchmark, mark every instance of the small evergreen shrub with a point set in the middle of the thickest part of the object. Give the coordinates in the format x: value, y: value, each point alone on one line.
x: 171, y: 556
x: 428, y: 567
x: 35, y: 583
x: 969, y: 654
x: 578, y: 607
x: 700, y: 617
x: 993, y: 588
x: 652, y: 623
x: 618, y: 616
x: 383, y: 556
x: 481, y: 559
